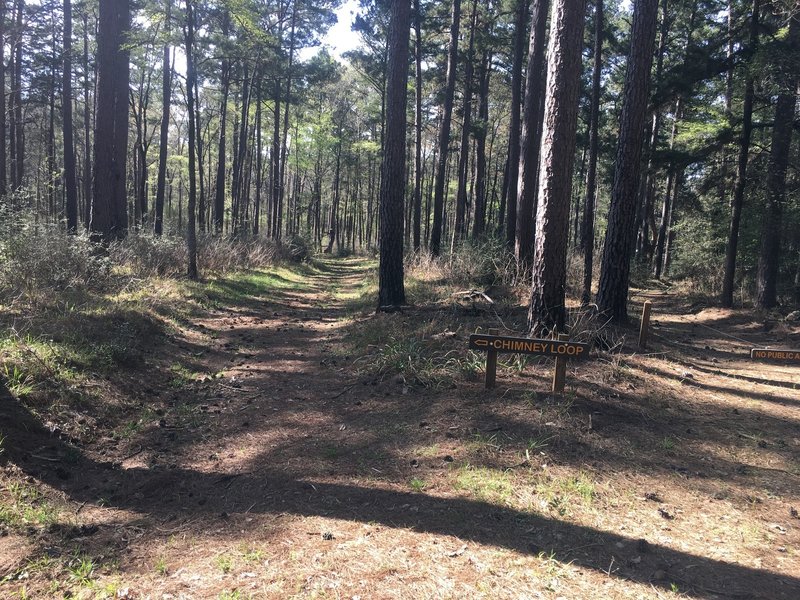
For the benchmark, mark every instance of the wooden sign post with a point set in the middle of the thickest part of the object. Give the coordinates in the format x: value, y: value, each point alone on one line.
x: 776, y: 355
x: 644, y: 327
x: 560, y: 372
x: 561, y: 349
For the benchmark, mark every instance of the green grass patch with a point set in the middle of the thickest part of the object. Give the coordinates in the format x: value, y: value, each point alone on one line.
x: 246, y: 287
x: 489, y: 485
x: 25, y: 505
x: 562, y: 494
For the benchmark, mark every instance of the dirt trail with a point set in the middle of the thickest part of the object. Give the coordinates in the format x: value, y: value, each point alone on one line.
x: 284, y: 474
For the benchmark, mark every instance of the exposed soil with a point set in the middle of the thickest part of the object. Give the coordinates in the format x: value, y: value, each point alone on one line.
x: 296, y: 470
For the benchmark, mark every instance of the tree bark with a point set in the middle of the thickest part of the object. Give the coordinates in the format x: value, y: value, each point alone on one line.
x: 547, y: 311
x: 17, y: 145
x: 612, y: 296
x: 673, y: 186
x: 444, y: 132
x: 770, y: 253
x: 391, y: 292
x: 191, y: 240
x: 587, y: 225
x: 459, y: 230
x: 87, y: 127
x: 219, y: 188
x: 287, y: 105
x: 109, y: 220
x: 163, y: 138
x: 531, y: 135
x: 418, y: 166
x: 3, y: 127
x: 479, y: 223
x: 737, y: 201
x: 514, y: 124
x: 70, y: 178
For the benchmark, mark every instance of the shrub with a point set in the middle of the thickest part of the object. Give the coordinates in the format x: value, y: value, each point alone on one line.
x: 38, y: 259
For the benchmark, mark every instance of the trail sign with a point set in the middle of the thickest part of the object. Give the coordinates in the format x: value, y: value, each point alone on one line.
x: 561, y: 349
x: 505, y: 345
x: 776, y: 355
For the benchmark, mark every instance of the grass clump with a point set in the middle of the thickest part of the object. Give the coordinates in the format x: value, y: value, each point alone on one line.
x: 562, y: 494
x: 489, y: 485
x: 26, y: 506
x: 417, y: 484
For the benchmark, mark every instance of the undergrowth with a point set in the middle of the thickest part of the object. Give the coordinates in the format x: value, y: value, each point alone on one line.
x: 79, y: 323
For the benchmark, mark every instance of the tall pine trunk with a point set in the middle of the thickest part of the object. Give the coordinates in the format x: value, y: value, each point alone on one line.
x: 547, y: 310
x: 70, y: 177
x: 87, y: 127
x: 391, y: 292
x: 163, y: 138
x: 612, y: 296
x: 191, y: 240
x: 418, y: 166
x: 444, y: 132
x: 531, y: 135
x: 587, y: 225
x: 459, y: 231
x: 3, y: 156
x: 772, y: 221
x: 479, y: 223
x: 514, y: 124
x: 737, y: 201
x: 109, y: 220
x: 219, y: 188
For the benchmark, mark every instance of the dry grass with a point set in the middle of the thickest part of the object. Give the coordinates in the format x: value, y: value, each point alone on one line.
x: 315, y: 450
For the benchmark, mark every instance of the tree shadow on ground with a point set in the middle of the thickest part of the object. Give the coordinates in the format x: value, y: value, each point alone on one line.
x: 185, y: 494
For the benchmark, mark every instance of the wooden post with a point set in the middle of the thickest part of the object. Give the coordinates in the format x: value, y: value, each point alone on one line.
x: 560, y: 372
x: 644, y: 328
x: 491, y: 364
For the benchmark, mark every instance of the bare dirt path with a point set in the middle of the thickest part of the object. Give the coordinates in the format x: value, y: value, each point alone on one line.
x: 287, y: 470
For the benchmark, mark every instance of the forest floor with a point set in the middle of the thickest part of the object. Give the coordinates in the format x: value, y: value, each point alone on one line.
x: 275, y: 438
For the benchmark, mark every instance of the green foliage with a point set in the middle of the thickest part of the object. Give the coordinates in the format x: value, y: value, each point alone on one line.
x: 17, y: 382
x: 82, y: 570
x: 225, y: 563
x: 489, y: 485
x: 417, y: 484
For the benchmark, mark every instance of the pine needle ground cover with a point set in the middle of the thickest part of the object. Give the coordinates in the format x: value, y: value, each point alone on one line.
x: 266, y: 434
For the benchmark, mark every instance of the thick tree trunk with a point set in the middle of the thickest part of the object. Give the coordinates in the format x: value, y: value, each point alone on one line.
x: 418, y: 166
x: 219, y: 188
x: 644, y: 247
x: 587, y: 225
x: 191, y: 241
x: 459, y: 231
x: 479, y: 223
x: 3, y: 156
x: 275, y: 170
x: 512, y: 164
x: 87, y: 127
x: 671, y: 192
x: 531, y: 135
x: 17, y: 141
x: 259, y: 164
x: 70, y: 176
x: 391, y: 292
x: 772, y: 221
x: 612, y: 296
x: 737, y: 201
x: 287, y: 106
x: 547, y: 311
x: 444, y: 133
x: 201, y: 194
x: 109, y: 220
x: 237, y: 180
x: 163, y: 138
